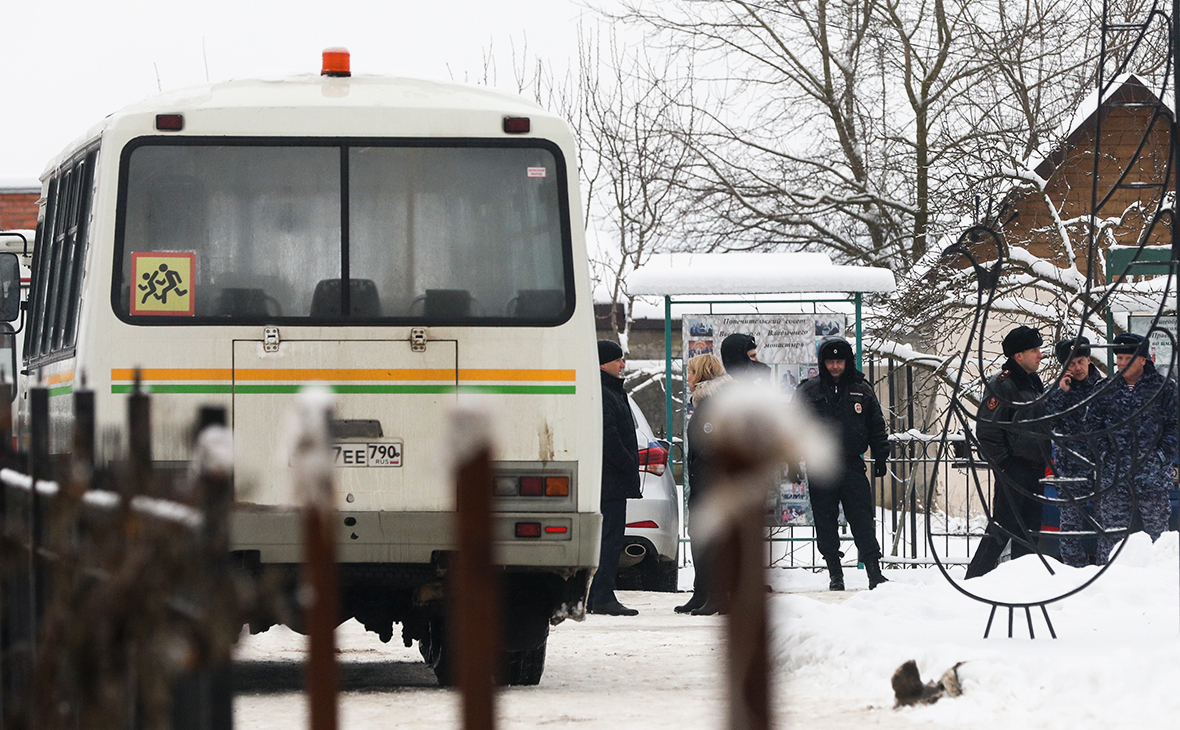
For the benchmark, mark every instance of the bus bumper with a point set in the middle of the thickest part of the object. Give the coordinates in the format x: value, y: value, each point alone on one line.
x: 565, y: 539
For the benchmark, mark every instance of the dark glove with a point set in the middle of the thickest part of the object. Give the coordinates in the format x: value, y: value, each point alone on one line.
x: 880, y: 467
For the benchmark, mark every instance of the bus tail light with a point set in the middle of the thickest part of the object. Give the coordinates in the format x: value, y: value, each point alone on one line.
x: 528, y: 529
x: 654, y: 460
x: 170, y: 122
x: 557, y: 486
x: 532, y: 486
x: 517, y: 125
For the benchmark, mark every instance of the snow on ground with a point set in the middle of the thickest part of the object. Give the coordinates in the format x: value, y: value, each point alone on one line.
x: 1115, y: 664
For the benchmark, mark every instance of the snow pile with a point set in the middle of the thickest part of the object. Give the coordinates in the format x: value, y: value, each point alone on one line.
x: 1113, y: 665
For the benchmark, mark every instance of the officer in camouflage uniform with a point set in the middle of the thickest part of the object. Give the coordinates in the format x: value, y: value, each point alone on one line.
x: 1074, y: 458
x: 1140, y: 404
x: 1016, y: 450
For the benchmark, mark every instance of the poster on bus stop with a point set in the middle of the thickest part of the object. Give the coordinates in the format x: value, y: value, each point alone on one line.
x: 1161, y: 344
x: 788, y: 344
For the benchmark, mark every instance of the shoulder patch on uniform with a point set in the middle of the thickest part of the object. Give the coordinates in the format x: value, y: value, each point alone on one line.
x: 859, y: 408
x: 992, y: 403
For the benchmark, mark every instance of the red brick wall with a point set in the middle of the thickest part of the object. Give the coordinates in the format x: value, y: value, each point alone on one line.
x: 18, y: 210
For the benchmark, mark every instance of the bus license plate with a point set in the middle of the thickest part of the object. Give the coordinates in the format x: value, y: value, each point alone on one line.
x: 370, y: 454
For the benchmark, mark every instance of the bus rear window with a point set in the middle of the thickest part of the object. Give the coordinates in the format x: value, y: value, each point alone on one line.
x: 342, y: 233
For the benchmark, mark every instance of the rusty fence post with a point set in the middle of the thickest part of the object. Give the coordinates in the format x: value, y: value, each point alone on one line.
x: 474, y: 590
x: 39, y: 471
x: 139, y: 446
x: 202, y: 697
x: 754, y: 433
x: 313, y: 482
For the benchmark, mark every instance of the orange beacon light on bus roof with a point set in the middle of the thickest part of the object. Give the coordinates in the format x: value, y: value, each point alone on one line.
x: 336, y: 62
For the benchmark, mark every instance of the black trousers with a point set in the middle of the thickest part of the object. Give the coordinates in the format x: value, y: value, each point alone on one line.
x: 851, y: 488
x: 614, y: 525
x: 1010, y: 511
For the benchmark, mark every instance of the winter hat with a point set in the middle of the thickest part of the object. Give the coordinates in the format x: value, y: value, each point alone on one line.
x: 734, y: 349
x: 608, y: 351
x: 1020, y: 339
x: 1068, y: 349
x: 835, y: 348
x: 1129, y: 343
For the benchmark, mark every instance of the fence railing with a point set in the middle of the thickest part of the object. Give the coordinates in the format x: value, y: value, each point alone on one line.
x: 118, y: 602
x: 900, y: 500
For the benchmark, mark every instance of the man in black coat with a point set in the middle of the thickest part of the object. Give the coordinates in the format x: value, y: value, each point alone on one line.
x: 842, y: 399
x: 620, y: 479
x: 1074, y: 454
x: 739, y: 355
x: 1016, y: 450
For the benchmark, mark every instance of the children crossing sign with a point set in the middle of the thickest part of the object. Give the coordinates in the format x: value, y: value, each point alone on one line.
x: 163, y: 283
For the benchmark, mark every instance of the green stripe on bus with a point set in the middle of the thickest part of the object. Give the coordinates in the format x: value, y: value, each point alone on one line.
x: 520, y: 389
x: 176, y: 388
x: 63, y: 390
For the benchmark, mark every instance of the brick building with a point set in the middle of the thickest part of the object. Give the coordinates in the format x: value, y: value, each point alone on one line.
x: 1134, y: 127
x: 18, y: 205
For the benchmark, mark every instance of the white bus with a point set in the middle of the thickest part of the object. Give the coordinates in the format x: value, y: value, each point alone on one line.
x: 404, y: 243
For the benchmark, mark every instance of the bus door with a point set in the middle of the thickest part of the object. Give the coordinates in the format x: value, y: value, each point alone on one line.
x: 392, y: 401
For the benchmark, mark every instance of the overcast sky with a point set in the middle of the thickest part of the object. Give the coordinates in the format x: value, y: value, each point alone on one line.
x: 68, y: 63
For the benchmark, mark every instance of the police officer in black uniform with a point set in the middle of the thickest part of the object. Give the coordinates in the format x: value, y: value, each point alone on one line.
x: 842, y: 398
x: 1016, y: 450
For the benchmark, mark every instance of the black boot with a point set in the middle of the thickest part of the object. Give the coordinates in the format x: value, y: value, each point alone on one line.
x: 836, y: 574
x: 873, y: 568
x: 698, y: 599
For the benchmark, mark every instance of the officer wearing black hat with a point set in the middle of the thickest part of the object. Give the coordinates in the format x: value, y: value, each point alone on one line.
x: 1074, y: 452
x: 1139, y: 408
x: 842, y: 398
x: 1016, y: 450
x: 620, y: 478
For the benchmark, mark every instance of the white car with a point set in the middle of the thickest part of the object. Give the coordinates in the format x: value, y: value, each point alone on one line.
x: 653, y: 523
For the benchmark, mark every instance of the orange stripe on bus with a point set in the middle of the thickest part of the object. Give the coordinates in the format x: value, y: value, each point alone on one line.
x: 56, y: 378
x: 173, y: 374
x: 337, y: 374
x: 531, y: 375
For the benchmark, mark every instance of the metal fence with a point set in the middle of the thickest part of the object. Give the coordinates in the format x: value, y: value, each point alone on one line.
x: 900, y: 498
x: 118, y: 603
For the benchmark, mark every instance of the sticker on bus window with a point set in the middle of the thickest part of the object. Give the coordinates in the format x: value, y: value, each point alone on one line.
x: 537, y: 172
x: 163, y: 283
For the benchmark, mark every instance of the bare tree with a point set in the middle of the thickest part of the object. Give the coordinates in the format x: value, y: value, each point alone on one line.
x: 632, y: 117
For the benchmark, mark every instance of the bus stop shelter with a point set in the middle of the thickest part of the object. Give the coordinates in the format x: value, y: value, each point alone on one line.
x: 756, y: 281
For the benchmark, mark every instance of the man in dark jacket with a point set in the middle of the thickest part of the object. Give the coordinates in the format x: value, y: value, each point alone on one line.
x: 1074, y: 457
x: 1138, y: 455
x: 620, y: 479
x: 739, y: 355
x: 841, y: 398
x: 1016, y: 450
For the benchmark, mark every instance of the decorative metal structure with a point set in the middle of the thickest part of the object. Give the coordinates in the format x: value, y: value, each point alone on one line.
x: 983, y: 250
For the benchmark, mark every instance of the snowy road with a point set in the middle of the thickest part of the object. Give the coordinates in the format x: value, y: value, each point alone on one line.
x: 1116, y: 663
x: 655, y: 670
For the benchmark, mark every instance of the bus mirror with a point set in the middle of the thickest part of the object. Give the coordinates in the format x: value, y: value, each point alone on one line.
x: 9, y: 287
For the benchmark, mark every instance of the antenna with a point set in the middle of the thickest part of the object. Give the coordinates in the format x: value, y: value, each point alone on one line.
x: 159, y: 86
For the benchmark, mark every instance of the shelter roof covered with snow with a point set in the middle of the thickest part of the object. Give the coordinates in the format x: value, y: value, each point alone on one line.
x: 678, y: 274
